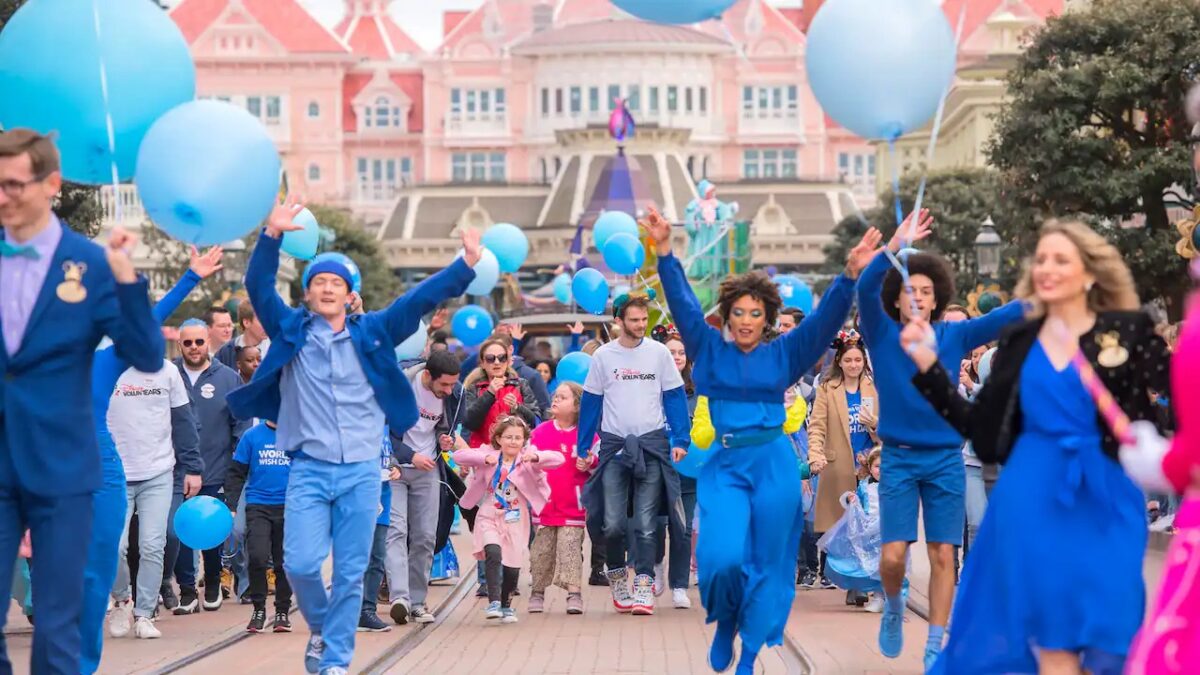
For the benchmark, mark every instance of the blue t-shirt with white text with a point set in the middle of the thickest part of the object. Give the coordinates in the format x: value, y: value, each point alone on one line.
x: 267, y: 479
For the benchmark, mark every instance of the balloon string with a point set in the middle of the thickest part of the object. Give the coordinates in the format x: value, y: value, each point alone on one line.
x: 733, y: 41
x: 108, y: 120
x: 941, y: 109
x: 902, y: 266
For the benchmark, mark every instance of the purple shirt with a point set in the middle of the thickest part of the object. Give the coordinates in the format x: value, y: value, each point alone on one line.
x: 21, y: 281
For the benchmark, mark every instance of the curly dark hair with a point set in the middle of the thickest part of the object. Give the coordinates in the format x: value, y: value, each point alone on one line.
x: 758, y: 286
x: 933, y: 266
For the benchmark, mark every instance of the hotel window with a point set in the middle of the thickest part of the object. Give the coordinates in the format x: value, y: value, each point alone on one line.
x: 770, y: 102
x: 703, y: 100
x: 381, y: 115
x: 496, y: 167
x: 614, y: 93
x: 314, y: 110
x: 254, y: 106
x: 634, y: 100
x: 672, y: 99
x: 478, y: 104
x: 378, y: 179
x: 792, y: 101
x: 594, y: 99
x: 576, y: 100
x: 558, y: 101
x: 687, y: 100
x: 478, y: 167
x: 857, y: 168
x: 471, y: 104
x: 274, y: 108
x: 769, y: 163
x: 499, y: 106
x: 545, y: 101
x: 653, y: 99
x: 455, y: 102
x: 747, y: 101
x: 314, y: 173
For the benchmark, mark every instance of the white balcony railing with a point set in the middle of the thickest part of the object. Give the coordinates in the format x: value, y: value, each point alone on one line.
x: 122, y: 207
x: 375, y: 193
x: 478, y: 124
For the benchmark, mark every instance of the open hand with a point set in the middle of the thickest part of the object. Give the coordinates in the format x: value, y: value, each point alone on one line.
x: 119, y: 254
x: 659, y: 230
x: 283, y: 216
x: 911, y: 230
x: 472, y: 242
x: 207, y: 264
x: 860, y: 256
x: 575, y: 328
x: 438, y: 321
x: 516, y: 331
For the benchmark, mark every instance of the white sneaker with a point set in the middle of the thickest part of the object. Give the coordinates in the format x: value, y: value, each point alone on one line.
x: 875, y: 604
x: 618, y: 583
x: 121, y: 620
x: 660, y: 580
x: 144, y: 629
x: 681, y: 599
x: 643, y: 595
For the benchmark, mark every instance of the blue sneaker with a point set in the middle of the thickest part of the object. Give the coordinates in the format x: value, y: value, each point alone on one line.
x: 891, y: 634
x: 720, y: 654
x: 492, y: 611
x: 313, y: 653
x: 931, y: 656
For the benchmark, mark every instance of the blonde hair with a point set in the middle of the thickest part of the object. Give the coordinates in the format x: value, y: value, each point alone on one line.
x: 576, y: 395
x: 1114, y: 288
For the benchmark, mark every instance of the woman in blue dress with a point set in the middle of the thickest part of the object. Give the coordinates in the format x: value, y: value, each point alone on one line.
x: 749, y: 489
x: 1054, y: 580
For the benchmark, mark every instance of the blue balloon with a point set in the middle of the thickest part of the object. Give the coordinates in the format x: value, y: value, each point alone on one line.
x: 695, y: 459
x: 620, y: 289
x: 208, y: 173
x: 355, y: 273
x: 487, y: 273
x: 610, y: 223
x: 562, y: 288
x: 472, y: 324
x: 509, y: 244
x: 623, y: 253
x: 795, y: 293
x: 899, y: 54
x: 574, y: 367
x: 203, y: 522
x: 50, y: 78
x: 675, y: 11
x: 302, y: 244
x: 590, y: 289
x: 412, y: 347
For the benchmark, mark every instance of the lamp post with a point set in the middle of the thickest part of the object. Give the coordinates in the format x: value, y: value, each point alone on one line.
x: 233, y: 268
x: 987, y: 295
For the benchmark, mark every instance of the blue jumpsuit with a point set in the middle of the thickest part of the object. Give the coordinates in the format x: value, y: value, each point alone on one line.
x: 749, y: 496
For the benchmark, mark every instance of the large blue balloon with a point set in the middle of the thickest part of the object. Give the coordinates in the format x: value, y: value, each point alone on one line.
x: 302, y: 244
x: 675, y: 11
x: 203, y: 522
x: 623, y: 253
x: 50, y: 78
x: 472, y: 324
x: 412, y: 347
x: 590, y: 289
x: 355, y: 273
x: 509, y: 244
x: 562, y: 288
x: 695, y: 459
x: 573, y: 367
x: 487, y: 273
x: 899, y: 56
x: 208, y: 172
x: 610, y: 223
x: 795, y: 292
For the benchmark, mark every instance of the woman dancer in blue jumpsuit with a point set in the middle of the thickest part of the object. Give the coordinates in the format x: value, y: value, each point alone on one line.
x: 749, y: 490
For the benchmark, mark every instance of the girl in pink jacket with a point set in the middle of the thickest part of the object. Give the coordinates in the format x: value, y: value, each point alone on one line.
x: 509, y: 486
x: 557, y: 552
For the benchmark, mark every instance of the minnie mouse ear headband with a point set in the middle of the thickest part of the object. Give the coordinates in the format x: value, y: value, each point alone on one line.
x: 664, y: 333
x: 624, y: 298
x: 846, y: 338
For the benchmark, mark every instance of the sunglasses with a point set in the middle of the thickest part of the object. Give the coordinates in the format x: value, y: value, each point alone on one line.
x: 494, y: 358
x: 198, y: 342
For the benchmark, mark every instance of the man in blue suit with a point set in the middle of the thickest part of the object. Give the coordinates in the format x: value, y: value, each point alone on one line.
x: 331, y: 382
x: 59, y: 295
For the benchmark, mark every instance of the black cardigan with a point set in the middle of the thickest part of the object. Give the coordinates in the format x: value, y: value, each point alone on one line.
x: 993, y: 420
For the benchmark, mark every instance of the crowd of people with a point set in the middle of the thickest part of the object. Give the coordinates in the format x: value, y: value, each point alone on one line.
x: 821, y: 440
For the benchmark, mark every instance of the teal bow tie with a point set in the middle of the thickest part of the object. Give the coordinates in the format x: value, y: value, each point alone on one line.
x: 8, y: 250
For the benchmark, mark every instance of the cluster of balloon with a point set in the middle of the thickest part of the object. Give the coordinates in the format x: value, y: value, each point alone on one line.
x: 472, y: 325
x: 412, y: 347
x: 795, y: 292
x: 590, y: 289
x: 355, y: 272
x: 509, y: 244
x: 624, y: 253
x: 611, y: 223
x: 675, y: 11
x: 900, y: 54
x: 562, y: 288
x: 574, y: 367
x: 51, y: 56
x: 203, y: 522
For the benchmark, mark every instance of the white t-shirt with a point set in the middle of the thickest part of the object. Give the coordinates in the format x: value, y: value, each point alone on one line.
x: 139, y: 419
x: 422, y: 437
x: 632, y: 382
x: 193, y: 375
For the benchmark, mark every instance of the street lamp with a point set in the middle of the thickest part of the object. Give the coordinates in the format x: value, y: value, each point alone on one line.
x: 987, y: 295
x: 235, y: 261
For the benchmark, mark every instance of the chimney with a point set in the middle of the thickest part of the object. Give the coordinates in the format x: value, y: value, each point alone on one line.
x: 543, y: 17
x: 450, y: 21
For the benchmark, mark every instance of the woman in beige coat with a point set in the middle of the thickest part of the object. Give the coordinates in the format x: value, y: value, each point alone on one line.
x: 842, y: 426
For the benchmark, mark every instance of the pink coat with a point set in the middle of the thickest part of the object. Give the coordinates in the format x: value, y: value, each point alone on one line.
x: 528, y: 478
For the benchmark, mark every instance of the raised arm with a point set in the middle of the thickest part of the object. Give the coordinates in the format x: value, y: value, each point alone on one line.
x: 264, y: 267
x: 123, y: 309
x: 685, y: 308
x: 403, y: 316
x: 873, y: 321
x: 984, y: 329
x: 164, y: 308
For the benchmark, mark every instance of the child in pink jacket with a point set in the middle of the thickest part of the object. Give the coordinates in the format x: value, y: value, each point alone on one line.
x: 509, y: 486
x: 557, y: 551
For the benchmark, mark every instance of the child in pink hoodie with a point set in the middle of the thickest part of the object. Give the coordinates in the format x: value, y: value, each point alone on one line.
x: 509, y: 486
x: 557, y: 552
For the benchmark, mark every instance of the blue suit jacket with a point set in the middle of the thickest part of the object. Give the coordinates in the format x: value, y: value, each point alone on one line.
x: 375, y: 336
x: 46, y: 393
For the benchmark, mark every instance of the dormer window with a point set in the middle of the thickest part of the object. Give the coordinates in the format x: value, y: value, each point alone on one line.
x: 383, y: 114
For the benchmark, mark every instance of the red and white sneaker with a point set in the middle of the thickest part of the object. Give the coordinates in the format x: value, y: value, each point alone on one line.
x: 643, y: 595
x: 618, y: 583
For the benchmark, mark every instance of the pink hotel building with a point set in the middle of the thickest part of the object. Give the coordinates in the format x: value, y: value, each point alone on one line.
x: 505, y: 121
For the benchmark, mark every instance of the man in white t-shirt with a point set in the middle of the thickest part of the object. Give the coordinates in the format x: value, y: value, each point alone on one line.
x: 635, y: 395
x: 416, y: 495
x: 152, y: 424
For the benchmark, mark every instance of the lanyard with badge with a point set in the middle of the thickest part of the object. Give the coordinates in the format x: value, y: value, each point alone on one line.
x: 511, y: 513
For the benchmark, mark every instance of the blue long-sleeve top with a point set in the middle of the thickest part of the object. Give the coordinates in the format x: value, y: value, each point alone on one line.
x: 675, y: 408
x: 107, y: 366
x: 906, y: 419
x: 746, y: 389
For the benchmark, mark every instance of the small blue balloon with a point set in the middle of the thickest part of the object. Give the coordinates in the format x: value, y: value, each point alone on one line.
x: 695, y: 459
x: 412, y: 347
x: 623, y: 253
x: 509, y: 244
x: 573, y: 367
x: 471, y: 325
x: 562, y: 288
x: 302, y: 244
x: 610, y: 223
x: 795, y: 292
x: 487, y: 273
x: 675, y: 11
x: 355, y: 273
x: 208, y: 173
x: 50, y: 62
x: 590, y: 289
x: 899, y: 54
x: 203, y: 523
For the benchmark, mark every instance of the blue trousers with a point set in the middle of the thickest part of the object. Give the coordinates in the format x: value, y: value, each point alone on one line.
x: 108, y: 506
x: 330, y: 507
x: 750, y: 508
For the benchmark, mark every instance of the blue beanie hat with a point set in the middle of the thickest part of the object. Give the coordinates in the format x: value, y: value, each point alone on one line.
x: 328, y: 266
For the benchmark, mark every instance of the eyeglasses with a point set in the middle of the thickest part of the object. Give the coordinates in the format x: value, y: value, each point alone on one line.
x: 513, y: 439
x: 496, y: 358
x: 199, y: 342
x: 13, y: 189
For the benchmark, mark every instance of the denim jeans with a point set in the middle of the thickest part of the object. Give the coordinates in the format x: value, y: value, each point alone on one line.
x: 647, y: 492
x: 976, y: 502
x: 679, y: 564
x: 236, y: 553
x: 373, y: 579
x: 152, y: 500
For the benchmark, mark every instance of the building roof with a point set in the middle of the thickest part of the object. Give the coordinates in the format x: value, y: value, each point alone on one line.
x: 617, y: 32
x: 286, y: 20
x: 370, y: 31
x: 411, y: 82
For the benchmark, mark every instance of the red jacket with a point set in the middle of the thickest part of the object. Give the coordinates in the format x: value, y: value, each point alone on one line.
x: 565, y: 508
